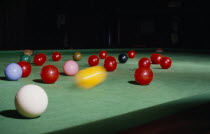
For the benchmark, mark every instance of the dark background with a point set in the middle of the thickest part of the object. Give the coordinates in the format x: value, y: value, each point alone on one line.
x: 84, y: 24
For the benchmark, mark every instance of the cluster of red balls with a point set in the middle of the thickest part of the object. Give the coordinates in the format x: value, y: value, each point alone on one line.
x: 144, y: 74
x: 49, y: 73
x: 110, y: 62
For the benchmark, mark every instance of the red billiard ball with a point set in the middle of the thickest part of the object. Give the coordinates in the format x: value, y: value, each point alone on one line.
x: 155, y: 58
x: 40, y: 59
x: 93, y: 60
x: 103, y: 54
x: 110, y: 63
x: 144, y: 62
x: 49, y: 74
x: 26, y: 68
x: 56, y: 56
x: 165, y: 62
x: 143, y: 75
x: 131, y: 54
x: 110, y: 58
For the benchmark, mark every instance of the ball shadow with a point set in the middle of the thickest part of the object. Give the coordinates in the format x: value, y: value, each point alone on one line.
x: 12, y: 114
x: 39, y: 81
x: 33, y: 64
x: 133, y: 82
x: 157, y: 68
x: 62, y: 73
x: 4, y: 78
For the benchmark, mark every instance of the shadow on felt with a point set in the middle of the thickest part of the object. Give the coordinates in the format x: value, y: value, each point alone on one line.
x: 38, y: 81
x: 4, y: 78
x: 12, y: 114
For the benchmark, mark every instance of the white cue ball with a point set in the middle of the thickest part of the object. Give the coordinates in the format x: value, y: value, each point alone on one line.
x: 31, y: 101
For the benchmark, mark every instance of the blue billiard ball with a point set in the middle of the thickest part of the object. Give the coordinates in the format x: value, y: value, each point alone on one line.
x: 13, y: 71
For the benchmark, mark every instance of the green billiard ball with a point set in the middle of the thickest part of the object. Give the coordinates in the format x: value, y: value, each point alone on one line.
x: 25, y: 57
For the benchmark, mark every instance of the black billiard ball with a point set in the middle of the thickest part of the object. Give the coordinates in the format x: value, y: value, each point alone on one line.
x: 122, y: 58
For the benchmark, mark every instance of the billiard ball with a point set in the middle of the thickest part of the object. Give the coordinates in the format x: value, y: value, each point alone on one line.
x: 131, y: 54
x: 110, y: 58
x: 77, y: 56
x: 56, y: 56
x: 144, y: 62
x: 93, y: 60
x: 49, y: 74
x: 110, y: 63
x: 40, y: 59
x: 13, y: 71
x: 159, y: 50
x: 26, y: 68
x: 90, y: 77
x: 165, y: 62
x: 31, y: 101
x: 143, y: 75
x: 70, y: 67
x: 122, y: 58
x: 155, y: 58
x: 25, y: 57
x: 28, y: 52
x: 103, y: 54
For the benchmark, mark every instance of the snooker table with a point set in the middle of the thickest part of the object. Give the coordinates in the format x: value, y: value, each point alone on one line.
x: 116, y: 104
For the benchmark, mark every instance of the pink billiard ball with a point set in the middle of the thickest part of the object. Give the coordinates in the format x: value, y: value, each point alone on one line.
x: 70, y: 67
x: 159, y: 50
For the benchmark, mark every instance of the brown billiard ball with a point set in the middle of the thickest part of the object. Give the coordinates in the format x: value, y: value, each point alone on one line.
x: 77, y: 56
x: 28, y: 52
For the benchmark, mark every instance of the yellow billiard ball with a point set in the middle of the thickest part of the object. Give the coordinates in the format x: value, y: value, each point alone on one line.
x: 90, y: 77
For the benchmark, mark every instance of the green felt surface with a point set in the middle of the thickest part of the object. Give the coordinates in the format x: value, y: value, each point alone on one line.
x: 115, y: 104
